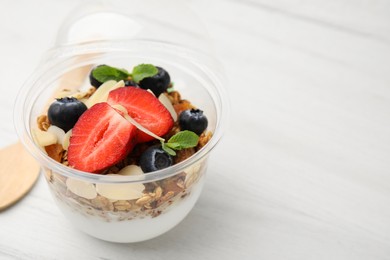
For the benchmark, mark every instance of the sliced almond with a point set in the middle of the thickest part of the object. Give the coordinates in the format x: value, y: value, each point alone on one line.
x: 81, y: 188
x: 43, y: 138
x: 120, y: 108
x: 143, y: 129
x: 131, y: 170
x: 168, y: 105
x: 120, y: 191
x: 58, y: 132
x: 192, y: 174
x: 192, y: 169
x: 135, y: 123
x: 101, y: 94
x: 150, y: 91
x: 66, y: 140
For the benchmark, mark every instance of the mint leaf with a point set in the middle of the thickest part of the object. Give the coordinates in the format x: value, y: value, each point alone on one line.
x: 183, y: 139
x: 143, y: 71
x: 168, y: 149
x: 175, y: 146
x: 104, y: 73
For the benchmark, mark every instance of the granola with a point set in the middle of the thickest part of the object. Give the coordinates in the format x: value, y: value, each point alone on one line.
x: 157, y: 198
x: 43, y: 122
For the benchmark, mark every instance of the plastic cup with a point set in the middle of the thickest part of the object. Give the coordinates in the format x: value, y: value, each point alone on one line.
x: 106, y: 207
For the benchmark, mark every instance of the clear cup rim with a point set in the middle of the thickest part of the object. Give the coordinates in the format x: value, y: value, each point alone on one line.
x: 54, y: 56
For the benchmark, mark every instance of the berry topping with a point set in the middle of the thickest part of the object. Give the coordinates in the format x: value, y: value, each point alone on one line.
x: 64, y: 112
x: 100, y: 139
x: 193, y: 120
x: 158, y: 83
x: 155, y: 158
x: 145, y: 109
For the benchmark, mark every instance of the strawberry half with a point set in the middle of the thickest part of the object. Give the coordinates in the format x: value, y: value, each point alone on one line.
x: 100, y: 138
x: 144, y: 108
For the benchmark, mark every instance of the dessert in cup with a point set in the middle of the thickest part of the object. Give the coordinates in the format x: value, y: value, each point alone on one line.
x: 124, y: 150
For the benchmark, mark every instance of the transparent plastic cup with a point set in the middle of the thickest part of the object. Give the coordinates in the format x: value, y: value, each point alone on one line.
x: 169, y: 194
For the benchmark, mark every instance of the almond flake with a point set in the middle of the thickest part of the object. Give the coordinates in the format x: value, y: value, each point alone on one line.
x: 66, y: 140
x: 120, y: 191
x: 192, y: 174
x: 81, y: 188
x: 101, y: 94
x: 58, y: 132
x: 131, y: 170
x: 150, y: 91
x: 193, y: 169
x: 43, y: 138
x: 168, y: 105
x: 135, y: 123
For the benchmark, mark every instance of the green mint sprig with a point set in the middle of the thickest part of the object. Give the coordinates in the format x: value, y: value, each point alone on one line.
x: 143, y: 71
x: 181, y: 140
x: 104, y: 73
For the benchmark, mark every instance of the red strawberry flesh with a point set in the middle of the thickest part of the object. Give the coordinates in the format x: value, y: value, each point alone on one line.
x: 100, y: 138
x: 144, y: 108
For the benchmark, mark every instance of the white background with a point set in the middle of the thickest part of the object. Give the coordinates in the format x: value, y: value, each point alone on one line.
x: 304, y: 170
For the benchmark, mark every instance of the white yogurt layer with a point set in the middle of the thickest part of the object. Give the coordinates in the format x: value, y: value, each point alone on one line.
x: 135, y: 230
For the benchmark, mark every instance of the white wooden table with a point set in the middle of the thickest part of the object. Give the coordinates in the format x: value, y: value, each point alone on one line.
x: 304, y: 170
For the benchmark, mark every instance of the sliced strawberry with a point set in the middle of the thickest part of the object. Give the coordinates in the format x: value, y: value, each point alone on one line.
x: 100, y: 138
x: 144, y: 108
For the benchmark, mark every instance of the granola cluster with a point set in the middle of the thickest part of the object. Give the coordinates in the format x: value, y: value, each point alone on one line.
x: 157, y: 197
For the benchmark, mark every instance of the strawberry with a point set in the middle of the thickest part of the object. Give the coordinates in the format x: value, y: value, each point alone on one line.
x: 144, y: 108
x: 100, y: 138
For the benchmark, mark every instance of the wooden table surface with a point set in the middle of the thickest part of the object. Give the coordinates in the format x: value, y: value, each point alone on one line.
x: 304, y: 169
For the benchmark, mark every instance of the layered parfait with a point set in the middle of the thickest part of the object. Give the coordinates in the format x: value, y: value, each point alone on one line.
x: 128, y: 123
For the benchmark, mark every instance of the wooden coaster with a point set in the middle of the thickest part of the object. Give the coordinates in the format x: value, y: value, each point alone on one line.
x: 16, y: 161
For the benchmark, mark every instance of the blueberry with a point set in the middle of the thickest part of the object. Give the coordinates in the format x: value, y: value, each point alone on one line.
x: 158, y: 83
x: 64, y: 112
x: 95, y: 82
x: 130, y: 83
x: 154, y: 158
x: 193, y: 120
